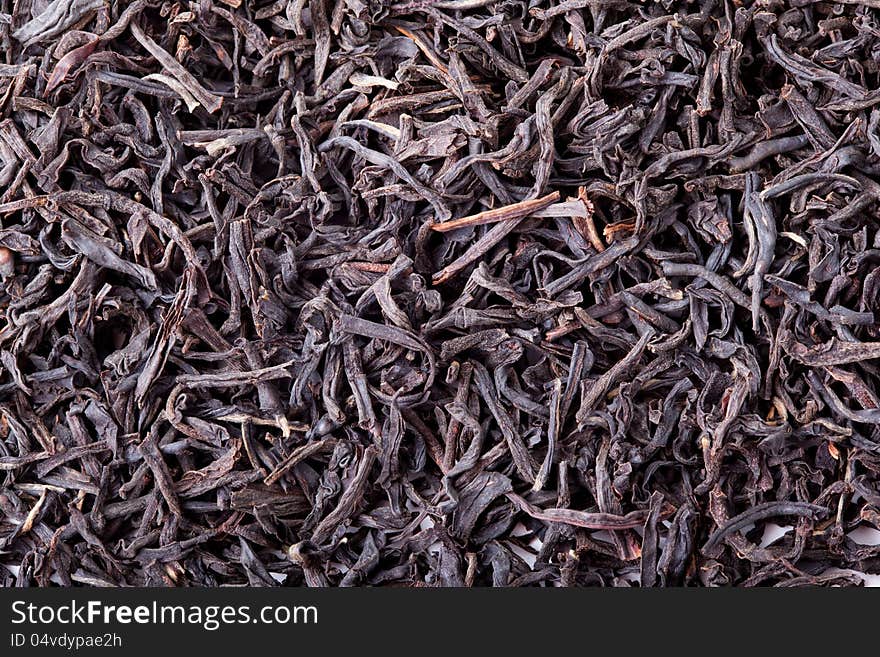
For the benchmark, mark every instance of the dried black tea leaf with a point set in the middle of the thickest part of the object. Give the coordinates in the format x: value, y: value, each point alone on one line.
x: 445, y: 293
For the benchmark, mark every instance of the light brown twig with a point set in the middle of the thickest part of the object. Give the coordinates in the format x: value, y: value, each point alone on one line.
x: 512, y: 211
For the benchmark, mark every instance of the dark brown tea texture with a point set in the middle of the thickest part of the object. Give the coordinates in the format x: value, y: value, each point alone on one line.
x: 439, y: 293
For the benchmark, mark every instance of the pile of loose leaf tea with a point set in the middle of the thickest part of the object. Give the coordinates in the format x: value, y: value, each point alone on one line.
x: 439, y: 292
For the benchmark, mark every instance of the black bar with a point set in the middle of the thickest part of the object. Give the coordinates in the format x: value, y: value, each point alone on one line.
x: 420, y: 621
